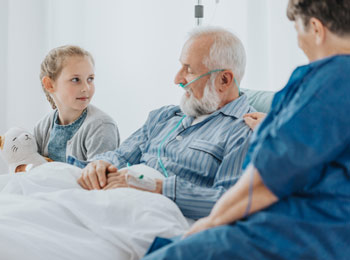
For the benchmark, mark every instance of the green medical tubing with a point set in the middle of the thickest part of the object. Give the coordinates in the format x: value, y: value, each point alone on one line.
x: 161, y: 144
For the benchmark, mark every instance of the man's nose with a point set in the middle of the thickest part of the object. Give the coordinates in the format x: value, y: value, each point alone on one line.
x: 179, y: 78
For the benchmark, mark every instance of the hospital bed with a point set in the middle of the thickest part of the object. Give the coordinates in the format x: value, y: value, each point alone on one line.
x: 46, y: 215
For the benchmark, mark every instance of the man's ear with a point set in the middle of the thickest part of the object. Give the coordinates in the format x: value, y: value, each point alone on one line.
x: 48, y: 84
x: 226, y: 79
x: 318, y: 29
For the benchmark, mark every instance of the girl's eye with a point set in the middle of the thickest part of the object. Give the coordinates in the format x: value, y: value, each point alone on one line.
x: 91, y: 79
x: 75, y: 79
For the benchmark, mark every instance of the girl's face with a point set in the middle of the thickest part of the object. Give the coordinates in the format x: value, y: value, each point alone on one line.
x: 74, y: 87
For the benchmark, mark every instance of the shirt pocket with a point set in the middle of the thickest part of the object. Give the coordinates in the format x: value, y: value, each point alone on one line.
x: 207, y: 147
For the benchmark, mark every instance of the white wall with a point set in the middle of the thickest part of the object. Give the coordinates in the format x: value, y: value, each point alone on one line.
x: 3, y: 70
x: 136, y: 45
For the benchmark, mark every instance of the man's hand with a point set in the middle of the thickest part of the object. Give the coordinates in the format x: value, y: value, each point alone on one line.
x: 116, y: 180
x: 253, y: 119
x: 200, y: 225
x: 94, y: 175
x: 120, y: 180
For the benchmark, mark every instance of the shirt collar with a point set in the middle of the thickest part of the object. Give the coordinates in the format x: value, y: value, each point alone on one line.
x: 236, y: 108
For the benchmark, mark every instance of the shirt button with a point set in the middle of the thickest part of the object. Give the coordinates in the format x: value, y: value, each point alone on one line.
x: 179, y: 138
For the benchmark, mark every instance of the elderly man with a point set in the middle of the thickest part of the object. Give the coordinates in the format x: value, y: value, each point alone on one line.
x: 200, y: 146
x: 297, y: 186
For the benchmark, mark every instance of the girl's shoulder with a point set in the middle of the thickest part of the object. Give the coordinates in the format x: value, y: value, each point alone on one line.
x: 95, y: 114
x: 46, y: 121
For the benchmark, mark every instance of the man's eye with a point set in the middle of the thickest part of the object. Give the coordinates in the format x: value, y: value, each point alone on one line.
x: 189, y: 70
x: 75, y: 79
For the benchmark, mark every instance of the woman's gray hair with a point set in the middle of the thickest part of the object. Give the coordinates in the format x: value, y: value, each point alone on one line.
x: 226, y: 52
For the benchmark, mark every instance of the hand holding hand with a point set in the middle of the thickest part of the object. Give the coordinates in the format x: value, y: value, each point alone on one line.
x: 94, y: 175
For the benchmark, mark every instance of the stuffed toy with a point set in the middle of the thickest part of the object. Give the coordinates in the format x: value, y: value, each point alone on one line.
x: 20, y: 151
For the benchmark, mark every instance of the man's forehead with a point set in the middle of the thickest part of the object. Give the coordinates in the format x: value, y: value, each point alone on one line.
x: 195, y: 49
x: 185, y: 51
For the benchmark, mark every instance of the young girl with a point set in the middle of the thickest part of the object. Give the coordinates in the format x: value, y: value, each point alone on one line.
x: 74, y: 128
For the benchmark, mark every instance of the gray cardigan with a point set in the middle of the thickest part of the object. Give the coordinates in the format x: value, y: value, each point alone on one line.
x: 98, y: 134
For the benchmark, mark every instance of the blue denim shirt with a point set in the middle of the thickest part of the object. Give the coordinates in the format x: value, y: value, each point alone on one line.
x: 302, y: 151
x: 60, y: 135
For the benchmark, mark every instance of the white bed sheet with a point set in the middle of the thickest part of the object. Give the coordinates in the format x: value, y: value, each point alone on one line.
x: 44, y: 214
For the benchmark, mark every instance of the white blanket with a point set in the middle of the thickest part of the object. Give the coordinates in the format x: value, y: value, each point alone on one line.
x: 44, y: 214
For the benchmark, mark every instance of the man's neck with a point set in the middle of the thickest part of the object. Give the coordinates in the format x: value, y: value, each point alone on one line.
x: 199, y: 119
x: 232, y: 95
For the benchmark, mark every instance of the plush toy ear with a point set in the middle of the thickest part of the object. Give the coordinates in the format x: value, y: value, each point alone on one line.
x: 2, y: 141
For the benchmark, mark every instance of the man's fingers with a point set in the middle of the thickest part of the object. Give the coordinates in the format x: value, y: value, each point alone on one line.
x: 114, y: 178
x: 112, y: 168
x: 114, y: 186
x: 94, y: 175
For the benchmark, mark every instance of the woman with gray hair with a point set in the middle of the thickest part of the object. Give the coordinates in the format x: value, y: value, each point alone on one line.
x: 293, y: 199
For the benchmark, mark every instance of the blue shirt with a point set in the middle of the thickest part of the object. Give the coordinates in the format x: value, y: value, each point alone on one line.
x: 202, y: 160
x: 60, y: 135
x: 302, y: 151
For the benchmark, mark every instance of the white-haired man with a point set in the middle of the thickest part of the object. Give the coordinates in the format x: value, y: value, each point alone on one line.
x: 200, y: 145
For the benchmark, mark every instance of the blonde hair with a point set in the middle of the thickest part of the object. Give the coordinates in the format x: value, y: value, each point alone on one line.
x: 54, y: 61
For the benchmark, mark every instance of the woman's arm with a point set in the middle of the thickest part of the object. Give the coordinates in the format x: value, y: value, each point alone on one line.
x: 233, y: 204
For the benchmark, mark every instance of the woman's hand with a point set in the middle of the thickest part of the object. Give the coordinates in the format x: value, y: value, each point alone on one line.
x: 253, y: 119
x: 200, y: 225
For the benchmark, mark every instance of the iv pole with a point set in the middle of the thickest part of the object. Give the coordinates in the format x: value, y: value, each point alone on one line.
x: 199, y: 12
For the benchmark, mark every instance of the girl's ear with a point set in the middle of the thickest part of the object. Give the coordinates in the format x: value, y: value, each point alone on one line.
x: 2, y: 141
x: 48, y: 84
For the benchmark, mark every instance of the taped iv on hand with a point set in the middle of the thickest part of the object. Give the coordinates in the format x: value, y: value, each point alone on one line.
x: 143, y: 177
x: 140, y: 181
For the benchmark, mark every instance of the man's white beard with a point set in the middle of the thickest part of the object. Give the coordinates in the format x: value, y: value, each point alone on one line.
x: 207, y: 105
